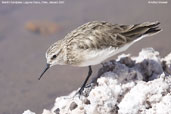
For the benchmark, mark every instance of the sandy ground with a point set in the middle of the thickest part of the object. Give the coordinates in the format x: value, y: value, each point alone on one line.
x: 22, y: 53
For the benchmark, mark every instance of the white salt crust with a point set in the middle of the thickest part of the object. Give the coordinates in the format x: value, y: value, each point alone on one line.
x: 129, y: 85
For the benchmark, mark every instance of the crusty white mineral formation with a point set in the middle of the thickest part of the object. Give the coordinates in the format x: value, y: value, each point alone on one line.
x: 129, y: 85
x: 28, y: 112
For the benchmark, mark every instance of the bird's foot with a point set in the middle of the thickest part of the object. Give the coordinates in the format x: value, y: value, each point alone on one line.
x: 84, y: 91
x: 91, y: 85
x: 80, y: 92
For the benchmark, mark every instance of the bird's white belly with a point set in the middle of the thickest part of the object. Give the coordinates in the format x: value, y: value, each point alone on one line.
x: 94, y: 57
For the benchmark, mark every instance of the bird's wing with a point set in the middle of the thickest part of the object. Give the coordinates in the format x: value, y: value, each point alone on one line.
x: 95, y: 39
x: 98, y: 35
x: 138, y: 30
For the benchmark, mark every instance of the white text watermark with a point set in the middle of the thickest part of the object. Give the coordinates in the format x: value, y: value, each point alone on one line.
x: 27, y: 2
x: 157, y: 2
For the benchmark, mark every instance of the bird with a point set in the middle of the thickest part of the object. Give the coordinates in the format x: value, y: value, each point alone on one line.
x: 94, y: 42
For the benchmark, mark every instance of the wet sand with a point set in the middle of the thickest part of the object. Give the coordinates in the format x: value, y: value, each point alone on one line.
x: 22, y: 55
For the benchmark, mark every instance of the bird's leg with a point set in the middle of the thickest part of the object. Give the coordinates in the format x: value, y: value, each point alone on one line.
x: 85, y: 82
x: 94, y: 80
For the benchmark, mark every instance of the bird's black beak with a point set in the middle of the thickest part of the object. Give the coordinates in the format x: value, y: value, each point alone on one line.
x: 47, y: 67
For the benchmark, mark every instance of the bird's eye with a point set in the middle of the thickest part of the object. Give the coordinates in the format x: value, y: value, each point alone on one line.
x: 53, y: 57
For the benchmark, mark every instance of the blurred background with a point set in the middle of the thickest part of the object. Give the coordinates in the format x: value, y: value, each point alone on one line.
x: 26, y: 31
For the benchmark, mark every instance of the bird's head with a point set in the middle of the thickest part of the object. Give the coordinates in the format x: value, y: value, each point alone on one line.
x: 54, y: 56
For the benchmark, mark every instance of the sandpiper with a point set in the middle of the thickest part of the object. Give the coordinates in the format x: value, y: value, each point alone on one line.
x: 94, y: 42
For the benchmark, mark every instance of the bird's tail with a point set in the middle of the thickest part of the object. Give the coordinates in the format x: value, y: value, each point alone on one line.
x: 143, y: 29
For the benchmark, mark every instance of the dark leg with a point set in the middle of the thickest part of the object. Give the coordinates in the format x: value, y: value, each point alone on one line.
x: 94, y: 80
x: 85, y: 82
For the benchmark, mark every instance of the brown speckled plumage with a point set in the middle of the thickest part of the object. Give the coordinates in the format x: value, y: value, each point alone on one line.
x: 97, y: 36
